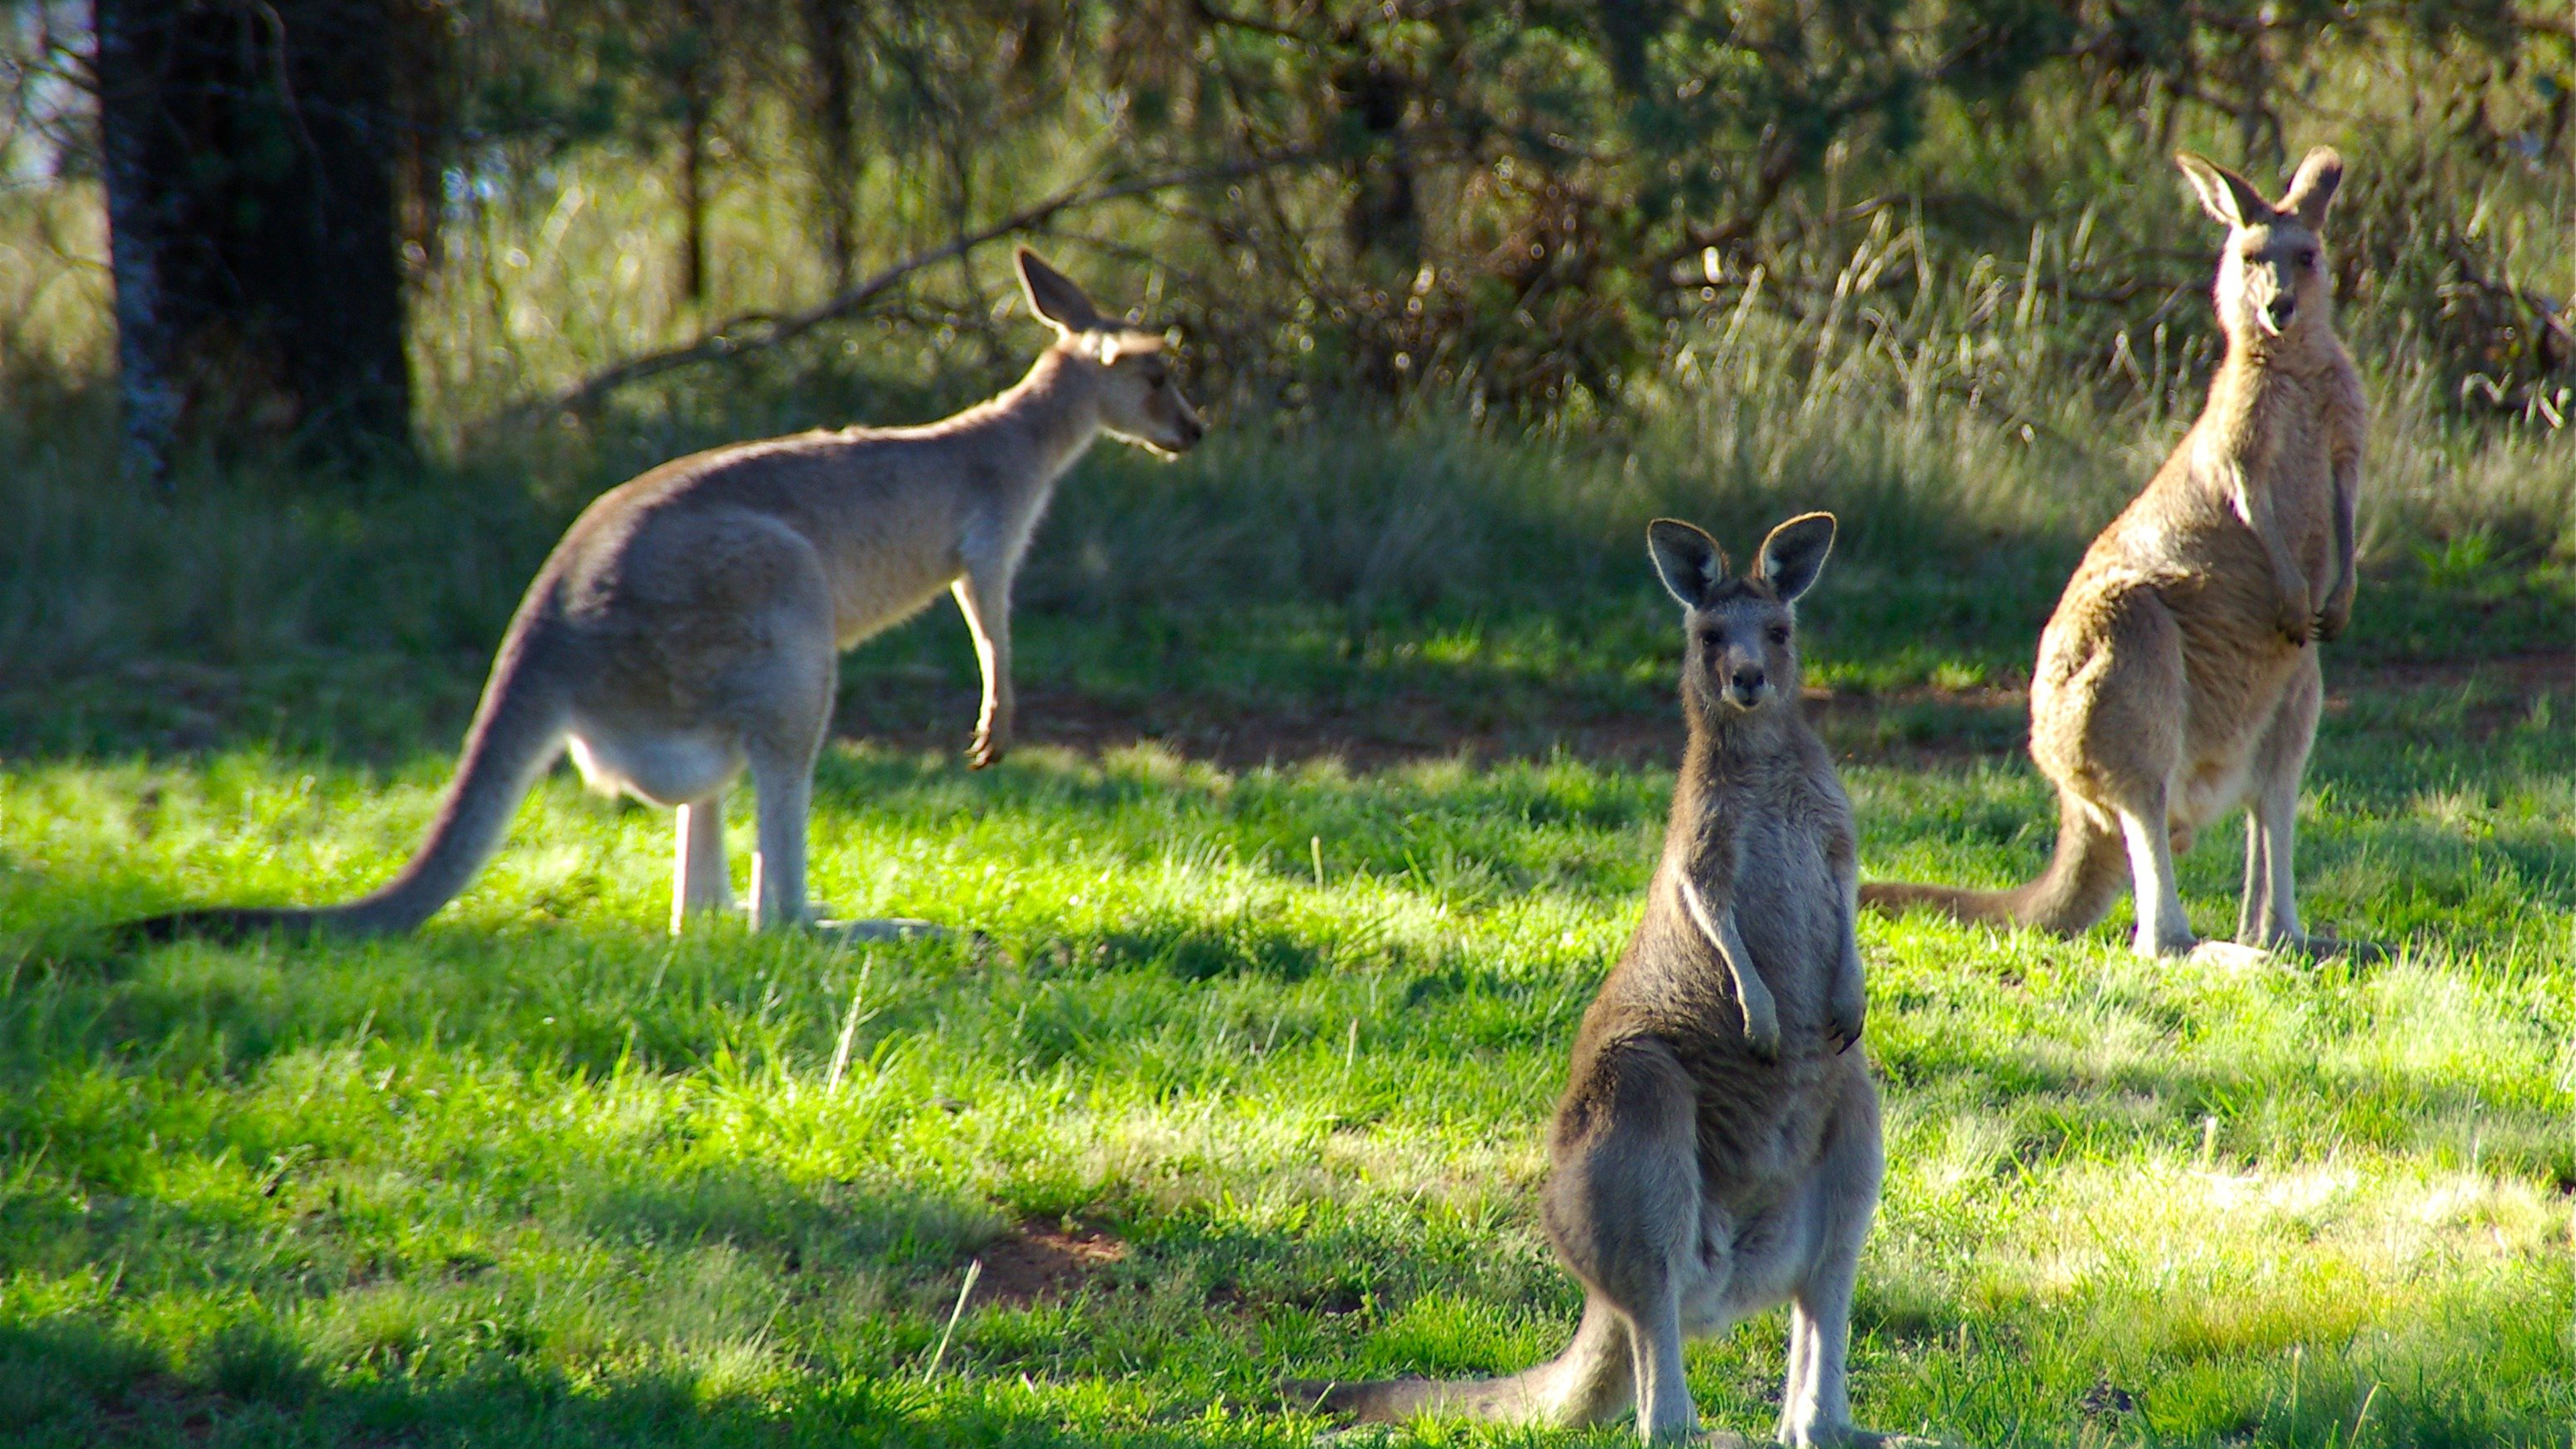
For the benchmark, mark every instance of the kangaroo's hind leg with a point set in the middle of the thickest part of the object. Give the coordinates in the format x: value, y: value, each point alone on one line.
x: 790, y: 706
x: 2269, y: 915
x: 788, y: 711
x: 1815, y: 1404
x: 2268, y: 920
x: 1624, y: 1208
x: 699, y: 880
x: 2110, y: 729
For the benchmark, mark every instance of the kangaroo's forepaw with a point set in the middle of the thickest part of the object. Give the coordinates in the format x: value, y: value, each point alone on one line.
x: 991, y: 743
x: 2297, y: 619
x: 1845, y: 1019
x: 1763, y: 1037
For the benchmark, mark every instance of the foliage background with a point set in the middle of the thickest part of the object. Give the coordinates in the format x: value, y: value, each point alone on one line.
x: 1540, y: 205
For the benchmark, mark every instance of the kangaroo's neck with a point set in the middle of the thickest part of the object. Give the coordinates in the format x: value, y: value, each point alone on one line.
x: 1037, y: 427
x: 2262, y: 383
x: 1724, y: 753
x: 1725, y: 743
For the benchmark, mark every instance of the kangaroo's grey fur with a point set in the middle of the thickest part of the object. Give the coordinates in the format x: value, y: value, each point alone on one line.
x: 2178, y: 678
x: 689, y: 623
x: 1717, y: 1149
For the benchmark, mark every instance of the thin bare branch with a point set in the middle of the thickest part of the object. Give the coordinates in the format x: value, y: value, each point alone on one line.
x: 754, y: 332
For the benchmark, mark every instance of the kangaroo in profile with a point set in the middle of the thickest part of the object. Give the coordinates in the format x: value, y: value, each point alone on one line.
x: 689, y: 623
x: 1717, y: 1148
x: 2177, y: 678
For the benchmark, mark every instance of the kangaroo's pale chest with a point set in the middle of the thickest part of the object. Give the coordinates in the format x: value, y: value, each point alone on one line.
x: 2273, y: 464
x: 1786, y: 897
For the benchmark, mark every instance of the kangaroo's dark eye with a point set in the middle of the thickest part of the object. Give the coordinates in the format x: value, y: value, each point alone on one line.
x: 1779, y: 633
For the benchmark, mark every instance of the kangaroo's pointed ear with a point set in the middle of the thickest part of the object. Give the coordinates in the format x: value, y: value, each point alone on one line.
x: 2230, y: 199
x: 2314, y: 186
x: 1795, y: 553
x: 1053, y: 296
x: 1688, y: 561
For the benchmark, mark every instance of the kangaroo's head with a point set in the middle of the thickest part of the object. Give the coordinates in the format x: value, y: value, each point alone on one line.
x: 1741, y: 632
x: 1139, y: 401
x: 2272, y: 277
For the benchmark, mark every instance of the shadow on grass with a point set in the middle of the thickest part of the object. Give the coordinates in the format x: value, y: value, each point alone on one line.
x: 63, y: 1383
x: 247, y: 1377
x: 796, y: 1225
x: 1916, y: 674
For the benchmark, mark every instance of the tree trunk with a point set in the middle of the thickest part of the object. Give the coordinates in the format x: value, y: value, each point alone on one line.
x: 246, y: 148
x: 693, y: 205
x: 1382, y: 224
x: 419, y: 105
x: 827, y: 45
x: 697, y: 114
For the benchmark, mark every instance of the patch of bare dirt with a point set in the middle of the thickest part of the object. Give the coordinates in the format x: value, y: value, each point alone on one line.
x: 1401, y: 728
x: 2518, y: 675
x: 2508, y: 684
x: 1924, y: 725
x: 1410, y: 728
x: 1039, y: 1260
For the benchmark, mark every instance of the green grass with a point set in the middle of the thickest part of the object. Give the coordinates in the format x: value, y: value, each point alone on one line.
x: 543, y: 1176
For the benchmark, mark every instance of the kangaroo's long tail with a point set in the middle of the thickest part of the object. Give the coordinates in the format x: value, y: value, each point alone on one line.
x: 518, y: 731
x: 1593, y: 1380
x: 2083, y: 879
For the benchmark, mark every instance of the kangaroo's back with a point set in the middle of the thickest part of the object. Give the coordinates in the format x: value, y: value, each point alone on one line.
x: 880, y: 519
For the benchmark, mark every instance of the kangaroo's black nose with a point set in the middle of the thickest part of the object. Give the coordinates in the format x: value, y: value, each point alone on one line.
x: 2281, y: 308
x: 1748, y: 682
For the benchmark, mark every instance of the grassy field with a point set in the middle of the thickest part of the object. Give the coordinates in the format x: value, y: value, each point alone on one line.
x: 1348, y: 761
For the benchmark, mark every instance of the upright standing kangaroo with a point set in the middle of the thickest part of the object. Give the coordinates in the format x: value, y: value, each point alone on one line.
x: 2178, y: 677
x: 690, y: 622
x: 1717, y: 1149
